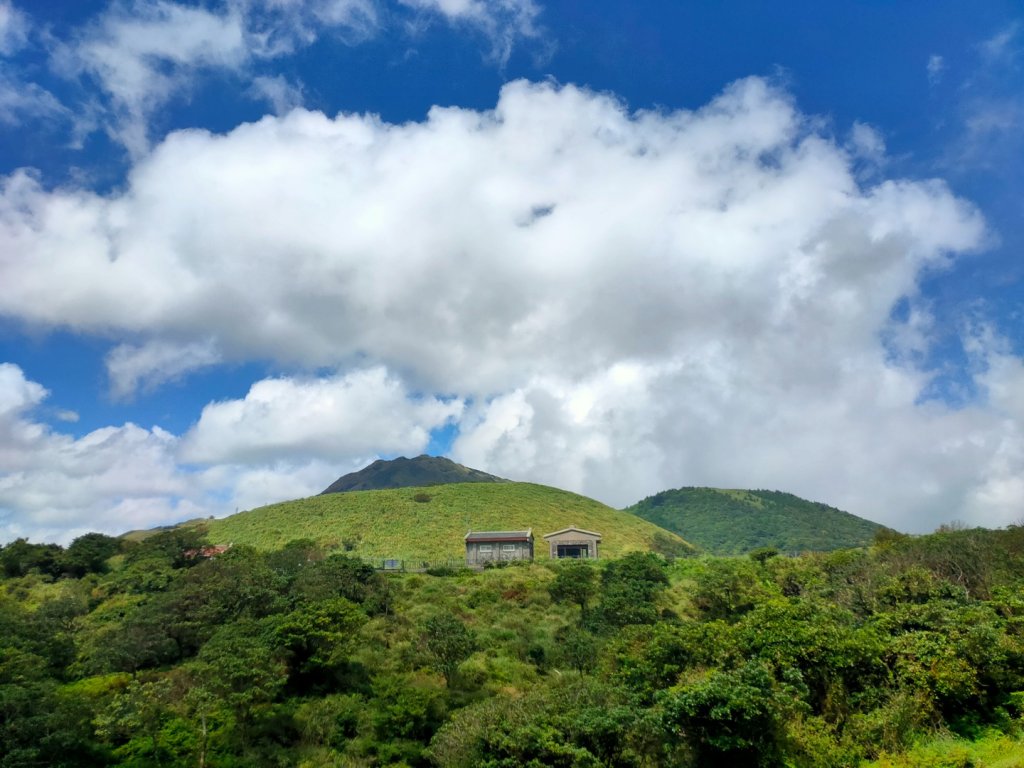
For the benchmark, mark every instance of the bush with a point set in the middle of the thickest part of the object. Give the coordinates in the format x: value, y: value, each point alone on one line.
x: 330, y: 721
x: 443, y: 570
x: 449, y: 643
x: 728, y: 718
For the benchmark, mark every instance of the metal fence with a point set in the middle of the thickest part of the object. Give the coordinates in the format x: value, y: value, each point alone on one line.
x: 411, y: 566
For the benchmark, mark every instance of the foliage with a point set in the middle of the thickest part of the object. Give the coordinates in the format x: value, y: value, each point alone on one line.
x: 910, y: 653
x: 728, y: 717
x: 317, y: 639
x: 576, y: 649
x: 20, y: 557
x: 575, y: 582
x: 630, y: 588
x: 578, y: 723
x: 449, y: 643
x: 726, y: 588
x: 994, y: 750
x: 89, y: 554
x: 728, y: 522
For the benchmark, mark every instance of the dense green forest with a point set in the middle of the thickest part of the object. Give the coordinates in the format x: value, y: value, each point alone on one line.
x: 733, y: 522
x: 119, y: 653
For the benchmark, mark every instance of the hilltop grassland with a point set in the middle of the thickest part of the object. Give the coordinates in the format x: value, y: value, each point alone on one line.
x: 428, y: 524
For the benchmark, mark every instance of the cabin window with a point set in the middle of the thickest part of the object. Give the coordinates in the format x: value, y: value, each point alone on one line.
x: 508, y: 547
x: 573, y: 550
x: 486, y: 548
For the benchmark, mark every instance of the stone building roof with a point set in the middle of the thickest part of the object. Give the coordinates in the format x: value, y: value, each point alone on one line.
x: 485, y: 536
x: 572, y: 529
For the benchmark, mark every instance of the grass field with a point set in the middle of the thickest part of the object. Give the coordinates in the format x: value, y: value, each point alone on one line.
x: 994, y: 750
x: 394, y: 524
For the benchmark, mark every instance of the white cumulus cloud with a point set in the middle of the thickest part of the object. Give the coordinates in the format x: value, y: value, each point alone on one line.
x: 628, y: 301
x: 735, y: 420
x: 55, y: 487
x: 16, y: 392
x: 476, y: 249
x: 261, y: 484
x: 355, y: 414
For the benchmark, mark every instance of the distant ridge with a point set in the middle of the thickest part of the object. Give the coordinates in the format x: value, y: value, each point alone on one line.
x: 409, y: 473
x: 734, y: 522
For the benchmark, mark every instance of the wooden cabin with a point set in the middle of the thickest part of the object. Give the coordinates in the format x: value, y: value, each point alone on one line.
x: 498, y: 546
x: 573, y: 542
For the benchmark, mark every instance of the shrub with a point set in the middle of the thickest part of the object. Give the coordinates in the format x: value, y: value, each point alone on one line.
x: 443, y: 570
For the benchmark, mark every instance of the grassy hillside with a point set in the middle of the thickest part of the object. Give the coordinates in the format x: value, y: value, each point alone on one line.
x: 731, y: 522
x: 429, y: 523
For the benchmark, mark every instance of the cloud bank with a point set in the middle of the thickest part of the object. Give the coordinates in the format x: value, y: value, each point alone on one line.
x: 287, y: 438
x: 624, y: 301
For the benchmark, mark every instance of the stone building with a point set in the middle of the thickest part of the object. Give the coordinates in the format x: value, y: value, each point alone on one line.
x: 498, y: 546
x: 573, y: 542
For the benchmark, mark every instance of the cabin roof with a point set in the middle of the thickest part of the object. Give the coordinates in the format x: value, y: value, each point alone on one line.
x: 573, y: 529
x: 500, y: 535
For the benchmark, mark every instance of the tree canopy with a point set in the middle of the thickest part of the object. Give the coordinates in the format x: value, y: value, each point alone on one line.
x: 155, y: 653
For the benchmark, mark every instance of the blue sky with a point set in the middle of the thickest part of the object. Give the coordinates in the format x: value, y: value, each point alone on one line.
x: 249, y: 245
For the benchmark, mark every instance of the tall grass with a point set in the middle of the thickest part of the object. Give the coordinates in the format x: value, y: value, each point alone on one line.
x: 430, y: 523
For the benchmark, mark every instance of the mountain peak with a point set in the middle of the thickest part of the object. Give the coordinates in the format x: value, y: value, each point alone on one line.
x: 406, y: 473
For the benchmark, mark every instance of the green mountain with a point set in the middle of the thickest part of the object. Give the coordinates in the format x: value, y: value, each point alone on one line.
x: 732, y: 522
x: 409, y: 473
x: 429, y: 523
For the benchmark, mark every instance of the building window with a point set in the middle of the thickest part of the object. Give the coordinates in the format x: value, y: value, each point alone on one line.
x: 577, y: 551
x: 508, y: 547
x: 486, y: 549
